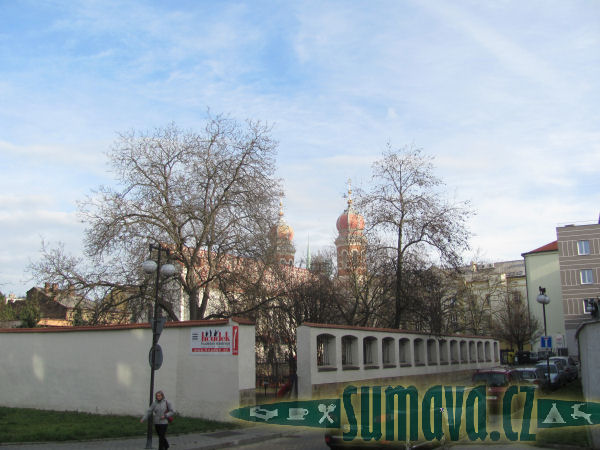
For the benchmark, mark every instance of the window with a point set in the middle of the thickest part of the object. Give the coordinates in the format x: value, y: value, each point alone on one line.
x: 344, y: 259
x: 454, y: 352
x: 405, y: 357
x: 387, y: 350
x: 349, y: 351
x: 586, y: 276
x: 419, y: 352
x: 325, y: 350
x: 589, y: 305
x: 583, y: 247
x: 432, y: 350
x: 370, y: 350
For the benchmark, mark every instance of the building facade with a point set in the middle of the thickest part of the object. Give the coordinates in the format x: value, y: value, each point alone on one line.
x: 491, y: 290
x: 579, y: 264
x: 542, y: 270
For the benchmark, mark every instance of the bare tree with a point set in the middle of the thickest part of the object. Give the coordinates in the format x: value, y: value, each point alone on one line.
x: 118, y: 293
x: 407, y: 206
x: 434, y: 298
x: 513, y: 323
x: 364, y: 290
x: 207, y: 196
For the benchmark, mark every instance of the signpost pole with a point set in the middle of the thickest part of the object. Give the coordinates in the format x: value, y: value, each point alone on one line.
x: 547, y: 350
x: 157, y: 324
x: 153, y: 349
x: 544, y: 300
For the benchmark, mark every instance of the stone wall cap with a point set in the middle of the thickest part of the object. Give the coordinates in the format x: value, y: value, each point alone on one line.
x: 129, y: 326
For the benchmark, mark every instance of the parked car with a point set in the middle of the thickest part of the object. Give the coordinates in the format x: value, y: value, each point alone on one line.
x: 558, y: 377
x: 525, y: 358
x: 542, y: 354
x: 497, y: 381
x: 532, y: 375
x: 562, y: 366
x: 570, y: 366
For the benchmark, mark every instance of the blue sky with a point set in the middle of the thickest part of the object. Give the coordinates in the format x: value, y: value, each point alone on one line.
x: 503, y: 94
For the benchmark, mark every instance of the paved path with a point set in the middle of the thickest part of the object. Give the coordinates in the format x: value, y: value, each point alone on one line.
x: 226, y: 439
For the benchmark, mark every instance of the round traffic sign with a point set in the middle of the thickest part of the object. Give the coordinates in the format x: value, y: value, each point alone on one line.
x: 158, y: 357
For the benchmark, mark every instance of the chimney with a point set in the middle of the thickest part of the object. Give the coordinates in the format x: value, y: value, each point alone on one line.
x: 54, y: 287
x: 47, y: 287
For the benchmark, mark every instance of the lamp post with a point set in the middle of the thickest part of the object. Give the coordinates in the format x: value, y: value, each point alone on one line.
x: 544, y: 300
x: 150, y: 266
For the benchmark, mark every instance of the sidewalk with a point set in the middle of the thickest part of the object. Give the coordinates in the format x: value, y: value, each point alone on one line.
x: 232, y: 438
x: 194, y: 441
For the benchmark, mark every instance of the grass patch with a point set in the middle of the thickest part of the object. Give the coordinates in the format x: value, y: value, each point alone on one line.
x: 34, y: 425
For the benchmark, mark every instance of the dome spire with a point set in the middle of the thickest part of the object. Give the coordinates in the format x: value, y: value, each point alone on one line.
x: 349, y: 193
x: 351, y: 240
x: 282, y: 236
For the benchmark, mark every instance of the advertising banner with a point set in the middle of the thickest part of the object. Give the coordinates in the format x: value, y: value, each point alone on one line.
x: 214, y: 340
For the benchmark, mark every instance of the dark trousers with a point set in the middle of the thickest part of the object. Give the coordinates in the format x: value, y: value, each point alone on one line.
x: 161, y: 430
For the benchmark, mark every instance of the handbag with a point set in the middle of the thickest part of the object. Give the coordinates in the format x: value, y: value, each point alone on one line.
x: 170, y: 418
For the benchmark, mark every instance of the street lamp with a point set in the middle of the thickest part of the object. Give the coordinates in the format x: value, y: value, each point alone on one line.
x: 544, y: 300
x: 166, y: 270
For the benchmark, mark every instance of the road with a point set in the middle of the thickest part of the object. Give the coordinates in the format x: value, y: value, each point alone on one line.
x: 302, y: 440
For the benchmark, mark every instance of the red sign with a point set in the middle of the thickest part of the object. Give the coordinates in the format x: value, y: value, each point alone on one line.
x: 215, y: 340
x: 236, y: 332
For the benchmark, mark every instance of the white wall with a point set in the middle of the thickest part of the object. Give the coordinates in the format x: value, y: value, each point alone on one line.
x: 311, y: 375
x: 106, y: 369
x: 589, y: 338
x: 542, y: 269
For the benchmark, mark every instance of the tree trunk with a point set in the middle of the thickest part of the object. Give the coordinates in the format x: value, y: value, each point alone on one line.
x: 399, y: 281
x: 193, y: 302
x: 204, y: 303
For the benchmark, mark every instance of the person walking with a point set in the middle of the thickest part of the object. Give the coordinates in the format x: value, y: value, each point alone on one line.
x: 161, y: 411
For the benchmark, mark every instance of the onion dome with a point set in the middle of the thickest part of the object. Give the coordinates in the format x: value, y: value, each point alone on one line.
x: 282, y: 231
x: 350, y: 220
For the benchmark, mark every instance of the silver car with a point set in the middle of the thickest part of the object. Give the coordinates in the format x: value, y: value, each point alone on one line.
x: 558, y: 377
x: 570, y: 366
x: 532, y: 375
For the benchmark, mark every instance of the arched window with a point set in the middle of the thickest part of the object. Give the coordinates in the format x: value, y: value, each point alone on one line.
x: 344, y: 259
x: 405, y: 353
x: 388, y: 355
x: 370, y: 351
x: 325, y: 350
x: 349, y: 352
x: 419, y: 352
x: 432, y: 352
x: 354, y: 258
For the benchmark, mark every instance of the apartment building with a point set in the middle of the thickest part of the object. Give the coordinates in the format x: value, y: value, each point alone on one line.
x: 579, y: 262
